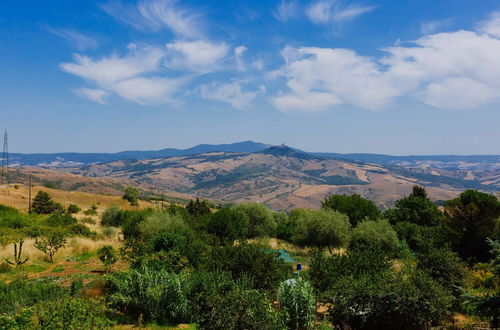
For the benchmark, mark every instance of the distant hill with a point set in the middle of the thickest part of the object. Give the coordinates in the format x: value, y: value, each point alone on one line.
x: 68, y: 159
x: 280, y: 177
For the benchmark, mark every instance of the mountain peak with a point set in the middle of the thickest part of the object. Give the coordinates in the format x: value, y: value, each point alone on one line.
x: 284, y: 150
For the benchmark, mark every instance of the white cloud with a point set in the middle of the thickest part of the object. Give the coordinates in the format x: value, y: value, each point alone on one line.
x: 428, y: 27
x: 78, y: 40
x: 197, y: 56
x: 136, y: 77
x: 238, y: 53
x: 286, y: 10
x: 491, y: 26
x: 155, y: 15
x: 320, y: 78
x: 456, y: 70
x: 96, y: 95
x: 325, y: 12
x: 231, y: 93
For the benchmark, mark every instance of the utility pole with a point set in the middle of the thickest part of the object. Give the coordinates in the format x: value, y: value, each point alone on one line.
x: 5, y: 159
x: 29, y: 194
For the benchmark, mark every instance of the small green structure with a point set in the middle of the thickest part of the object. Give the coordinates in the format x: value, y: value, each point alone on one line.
x: 283, y: 255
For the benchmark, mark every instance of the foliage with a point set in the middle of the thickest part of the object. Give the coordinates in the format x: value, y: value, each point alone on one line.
x: 197, y: 208
x: 378, y: 234
x: 141, y: 292
x: 92, y: 210
x: 354, y: 206
x: 107, y: 256
x: 473, y: 217
x: 417, y: 208
x: 260, y: 219
x: 228, y: 225
x: 322, y: 228
x: 422, y: 239
x: 43, y: 204
x: 72, y: 314
x: 73, y: 209
x: 297, y: 300
x: 113, y: 216
x: 131, y: 195
x: 50, y: 244
x: 249, y: 260
x: 58, y: 219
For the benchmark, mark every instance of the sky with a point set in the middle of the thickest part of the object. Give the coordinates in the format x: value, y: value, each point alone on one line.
x: 394, y: 77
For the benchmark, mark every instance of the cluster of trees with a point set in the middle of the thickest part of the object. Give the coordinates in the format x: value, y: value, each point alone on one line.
x: 409, y: 267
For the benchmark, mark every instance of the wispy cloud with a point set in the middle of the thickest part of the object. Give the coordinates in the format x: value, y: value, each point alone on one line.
x: 428, y: 27
x: 286, y: 10
x: 78, y: 40
x: 94, y: 94
x: 155, y: 15
x: 231, y: 93
x: 197, y: 56
x: 326, y: 12
x: 491, y: 26
x: 137, y: 76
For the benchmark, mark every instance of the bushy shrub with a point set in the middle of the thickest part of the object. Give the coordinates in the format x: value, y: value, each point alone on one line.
x: 375, y: 234
x: 266, y: 269
x: 354, y: 206
x: 260, y: 219
x: 113, y: 216
x: 58, y: 220
x: 73, y: 208
x: 297, y: 300
x: 107, y: 255
x: 228, y: 225
x: 322, y: 228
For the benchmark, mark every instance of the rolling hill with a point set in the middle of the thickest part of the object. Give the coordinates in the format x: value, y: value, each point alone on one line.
x: 280, y: 177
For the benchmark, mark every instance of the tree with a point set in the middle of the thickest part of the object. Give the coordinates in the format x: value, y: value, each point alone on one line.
x: 322, y: 228
x: 131, y: 195
x: 261, y: 221
x: 416, y: 208
x: 354, y: 206
x: 50, y: 244
x: 198, y: 208
x: 297, y: 300
x: 473, y: 217
x: 107, y: 256
x: 228, y: 225
x: 43, y: 204
x: 379, y: 234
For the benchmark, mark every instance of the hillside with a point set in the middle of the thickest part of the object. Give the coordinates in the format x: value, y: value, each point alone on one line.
x: 280, y: 177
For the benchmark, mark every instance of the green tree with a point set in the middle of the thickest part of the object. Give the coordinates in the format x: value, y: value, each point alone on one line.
x: 322, y: 228
x: 261, y: 221
x: 473, y: 217
x: 198, y: 208
x: 378, y: 234
x: 50, y: 244
x: 107, y: 256
x: 416, y: 208
x: 228, y: 225
x: 131, y: 195
x: 354, y: 206
x: 43, y: 204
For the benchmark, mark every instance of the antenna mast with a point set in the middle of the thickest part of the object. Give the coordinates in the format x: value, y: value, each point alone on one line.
x: 5, y: 159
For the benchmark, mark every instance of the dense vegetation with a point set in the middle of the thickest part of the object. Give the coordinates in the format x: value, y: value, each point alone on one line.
x: 411, y: 267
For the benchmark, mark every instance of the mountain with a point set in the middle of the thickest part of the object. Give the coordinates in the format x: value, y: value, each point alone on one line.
x: 280, y: 177
x: 77, y: 159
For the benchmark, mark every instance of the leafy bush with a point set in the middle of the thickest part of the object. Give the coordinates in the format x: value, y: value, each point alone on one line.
x: 92, y: 210
x: 322, y: 228
x: 296, y: 299
x: 107, y: 256
x: 248, y: 260
x: 378, y: 234
x: 73, y: 208
x: 228, y: 225
x: 58, y: 220
x: 354, y: 206
x: 260, y: 219
x: 113, y: 216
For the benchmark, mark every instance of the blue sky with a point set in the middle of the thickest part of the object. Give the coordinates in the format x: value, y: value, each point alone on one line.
x: 395, y: 77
